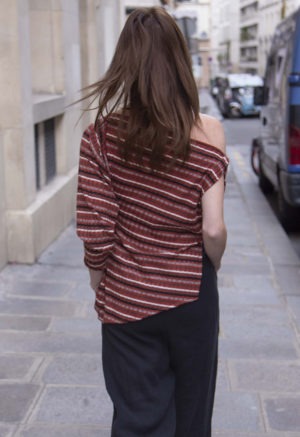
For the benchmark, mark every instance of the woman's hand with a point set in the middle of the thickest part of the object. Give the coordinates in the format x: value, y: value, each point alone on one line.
x: 95, y: 278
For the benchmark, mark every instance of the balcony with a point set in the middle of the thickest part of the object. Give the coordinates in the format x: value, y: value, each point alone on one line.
x: 249, y: 66
x: 253, y: 43
x: 249, y: 58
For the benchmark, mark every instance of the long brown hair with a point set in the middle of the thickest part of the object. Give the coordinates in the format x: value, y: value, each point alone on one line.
x: 150, y: 80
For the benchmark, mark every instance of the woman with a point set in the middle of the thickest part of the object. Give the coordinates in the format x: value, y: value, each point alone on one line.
x: 150, y: 200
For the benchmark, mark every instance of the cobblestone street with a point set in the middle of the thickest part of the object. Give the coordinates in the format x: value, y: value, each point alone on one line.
x: 51, y: 382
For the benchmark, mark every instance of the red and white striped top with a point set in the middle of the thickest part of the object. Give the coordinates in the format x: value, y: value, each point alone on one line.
x: 143, y: 228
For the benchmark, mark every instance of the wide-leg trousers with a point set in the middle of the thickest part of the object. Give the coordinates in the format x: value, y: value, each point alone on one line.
x: 160, y: 372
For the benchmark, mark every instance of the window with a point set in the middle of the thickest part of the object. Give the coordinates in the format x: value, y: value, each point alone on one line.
x: 270, y: 76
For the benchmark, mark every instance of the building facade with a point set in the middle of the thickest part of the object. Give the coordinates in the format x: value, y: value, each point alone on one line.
x: 193, y: 17
x: 271, y: 12
x: 241, y: 33
x: 50, y: 49
x: 249, y: 36
x: 225, y: 36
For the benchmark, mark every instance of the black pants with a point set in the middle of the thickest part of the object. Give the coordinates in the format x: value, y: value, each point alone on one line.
x: 160, y: 372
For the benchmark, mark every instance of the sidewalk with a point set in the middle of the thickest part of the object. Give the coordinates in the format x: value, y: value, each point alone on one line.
x: 51, y: 383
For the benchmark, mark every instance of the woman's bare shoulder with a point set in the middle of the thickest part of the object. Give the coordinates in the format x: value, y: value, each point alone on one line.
x: 209, y: 130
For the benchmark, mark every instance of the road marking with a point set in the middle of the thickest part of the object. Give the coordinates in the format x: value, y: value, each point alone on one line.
x: 244, y: 169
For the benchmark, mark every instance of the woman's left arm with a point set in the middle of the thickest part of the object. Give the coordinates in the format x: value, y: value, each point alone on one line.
x: 97, y: 208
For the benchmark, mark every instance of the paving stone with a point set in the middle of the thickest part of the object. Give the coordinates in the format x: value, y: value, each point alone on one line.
x: 44, y: 272
x: 242, y: 240
x: 262, y: 316
x: 37, y: 307
x: 75, y: 369
x: 283, y: 413
x: 225, y: 280
x: 230, y: 267
x: 74, y: 405
x: 248, y: 282
x: 265, y: 376
x: 245, y: 256
x: 264, y: 331
x: 237, y: 225
x: 24, y: 323
x: 6, y: 431
x: 236, y: 412
x: 82, y: 292
x: 286, y: 256
x: 49, y: 342
x: 294, y: 307
x: 232, y: 296
x: 90, y: 313
x: 257, y: 349
x: 16, y: 366
x: 15, y: 399
x: 76, y: 325
x: 38, y: 288
x: 233, y: 203
x: 247, y: 434
x: 63, y: 431
x: 288, y: 278
x: 222, y: 378
x: 66, y: 250
x: 264, y: 324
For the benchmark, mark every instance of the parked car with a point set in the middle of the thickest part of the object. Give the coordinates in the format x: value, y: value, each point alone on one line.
x: 235, y: 96
x: 277, y: 147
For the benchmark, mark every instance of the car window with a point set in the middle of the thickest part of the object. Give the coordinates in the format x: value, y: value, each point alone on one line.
x: 271, y: 76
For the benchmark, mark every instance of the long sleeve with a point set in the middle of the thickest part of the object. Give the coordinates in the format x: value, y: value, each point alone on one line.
x: 97, y: 208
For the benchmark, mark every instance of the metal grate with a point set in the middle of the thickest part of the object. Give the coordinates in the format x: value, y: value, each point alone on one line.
x: 50, y: 155
x: 37, y: 157
x: 45, y: 152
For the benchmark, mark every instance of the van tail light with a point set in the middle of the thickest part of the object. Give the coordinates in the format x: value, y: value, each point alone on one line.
x: 294, y: 143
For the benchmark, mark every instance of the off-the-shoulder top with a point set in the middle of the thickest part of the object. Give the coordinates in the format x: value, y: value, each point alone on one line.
x: 143, y: 228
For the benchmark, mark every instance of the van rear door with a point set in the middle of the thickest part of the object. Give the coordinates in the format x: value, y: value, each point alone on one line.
x: 271, y: 119
x: 274, y: 116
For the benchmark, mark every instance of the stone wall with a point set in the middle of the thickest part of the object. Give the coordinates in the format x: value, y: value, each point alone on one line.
x: 40, y: 76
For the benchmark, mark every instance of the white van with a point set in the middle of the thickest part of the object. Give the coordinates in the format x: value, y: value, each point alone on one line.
x: 278, y: 144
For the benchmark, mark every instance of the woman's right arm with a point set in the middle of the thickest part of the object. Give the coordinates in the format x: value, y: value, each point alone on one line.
x: 214, y: 232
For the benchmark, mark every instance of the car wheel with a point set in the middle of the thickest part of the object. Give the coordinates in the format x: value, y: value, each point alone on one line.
x: 263, y: 182
x: 288, y: 215
x: 254, y: 156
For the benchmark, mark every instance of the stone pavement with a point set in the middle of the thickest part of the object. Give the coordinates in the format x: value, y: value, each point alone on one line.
x: 51, y: 383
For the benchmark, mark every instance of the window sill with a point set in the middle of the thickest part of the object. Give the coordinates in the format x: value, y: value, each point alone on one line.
x: 47, y: 106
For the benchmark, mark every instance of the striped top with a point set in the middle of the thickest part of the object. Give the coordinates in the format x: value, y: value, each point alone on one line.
x: 143, y: 228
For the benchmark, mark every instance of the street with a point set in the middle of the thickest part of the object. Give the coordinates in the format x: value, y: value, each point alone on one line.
x: 239, y: 132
